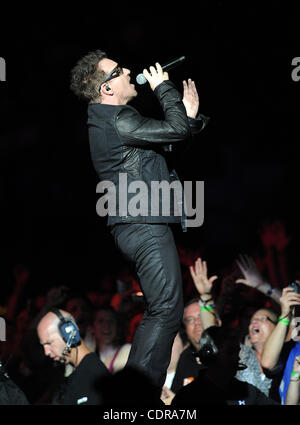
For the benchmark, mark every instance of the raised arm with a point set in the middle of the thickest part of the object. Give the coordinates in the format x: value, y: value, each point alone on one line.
x: 254, y: 279
x: 136, y: 130
x: 203, y: 284
x: 276, y: 339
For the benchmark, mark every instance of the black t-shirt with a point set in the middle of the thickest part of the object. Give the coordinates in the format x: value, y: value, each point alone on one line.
x: 10, y: 393
x: 83, y: 386
x: 203, y: 392
x: 187, y: 369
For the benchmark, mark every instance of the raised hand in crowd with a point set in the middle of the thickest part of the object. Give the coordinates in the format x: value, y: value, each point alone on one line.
x: 254, y: 279
x: 282, y: 331
x: 204, y: 285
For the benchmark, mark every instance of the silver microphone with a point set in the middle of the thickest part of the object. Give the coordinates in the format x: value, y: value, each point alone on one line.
x: 140, y: 79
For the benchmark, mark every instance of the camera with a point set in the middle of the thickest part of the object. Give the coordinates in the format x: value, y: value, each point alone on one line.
x: 296, y: 308
x: 295, y: 286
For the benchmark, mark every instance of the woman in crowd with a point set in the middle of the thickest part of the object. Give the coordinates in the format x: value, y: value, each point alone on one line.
x: 110, y: 339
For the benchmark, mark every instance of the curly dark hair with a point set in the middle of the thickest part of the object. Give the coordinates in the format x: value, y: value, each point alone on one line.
x: 85, y: 78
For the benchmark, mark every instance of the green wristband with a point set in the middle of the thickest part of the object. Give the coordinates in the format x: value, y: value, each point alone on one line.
x: 295, y: 374
x: 207, y: 308
x: 284, y: 321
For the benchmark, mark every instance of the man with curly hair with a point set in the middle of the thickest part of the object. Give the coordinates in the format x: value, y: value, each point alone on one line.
x: 124, y: 143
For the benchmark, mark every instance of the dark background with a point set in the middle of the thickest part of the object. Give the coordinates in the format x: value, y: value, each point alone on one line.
x: 239, y: 54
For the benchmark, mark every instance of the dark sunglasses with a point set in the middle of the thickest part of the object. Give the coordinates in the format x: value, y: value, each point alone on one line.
x: 118, y: 70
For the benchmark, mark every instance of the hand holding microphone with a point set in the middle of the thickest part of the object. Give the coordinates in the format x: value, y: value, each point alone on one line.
x: 142, y: 79
x: 155, y: 76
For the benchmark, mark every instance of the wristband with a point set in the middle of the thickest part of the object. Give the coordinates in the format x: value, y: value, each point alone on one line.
x: 207, y: 308
x: 284, y: 321
x: 296, y: 374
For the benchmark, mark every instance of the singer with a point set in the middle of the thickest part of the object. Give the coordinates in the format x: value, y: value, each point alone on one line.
x: 123, y: 141
x: 81, y: 387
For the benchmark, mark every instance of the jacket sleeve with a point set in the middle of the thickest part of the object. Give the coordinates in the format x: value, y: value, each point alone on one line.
x: 198, y: 124
x: 136, y: 130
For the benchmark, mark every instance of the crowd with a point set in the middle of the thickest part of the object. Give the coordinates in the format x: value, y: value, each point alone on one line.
x: 238, y: 342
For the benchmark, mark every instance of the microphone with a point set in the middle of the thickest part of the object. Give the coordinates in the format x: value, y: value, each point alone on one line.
x: 67, y: 349
x: 140, y: 79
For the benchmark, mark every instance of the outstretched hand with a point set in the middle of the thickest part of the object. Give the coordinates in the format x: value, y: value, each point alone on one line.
x: 252, y: 276
x: 190, y: 98
x: 199, y: 275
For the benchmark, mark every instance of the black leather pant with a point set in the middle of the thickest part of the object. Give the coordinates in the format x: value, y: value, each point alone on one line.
x: 152, y: 249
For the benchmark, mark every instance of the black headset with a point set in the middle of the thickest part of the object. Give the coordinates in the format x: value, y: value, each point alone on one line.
x: 68, y: 329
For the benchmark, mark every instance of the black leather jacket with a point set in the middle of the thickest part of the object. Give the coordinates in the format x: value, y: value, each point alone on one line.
x: 128, y: 150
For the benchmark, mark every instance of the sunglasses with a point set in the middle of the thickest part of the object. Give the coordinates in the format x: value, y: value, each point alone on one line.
x: 116, y: 72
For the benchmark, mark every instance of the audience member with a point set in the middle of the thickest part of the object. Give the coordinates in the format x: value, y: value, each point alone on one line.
x: 110, y: 339
x: 188, y: 366
x: 198, y: 312
x: 216, y: 383
x: 261, y: 325
x: 279, y: 349
x: 270, y: 350
x: 59, y: 335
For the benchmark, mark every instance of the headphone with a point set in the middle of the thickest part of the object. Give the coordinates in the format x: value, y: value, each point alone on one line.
x: 107, y: 88
x: 68, y: 329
